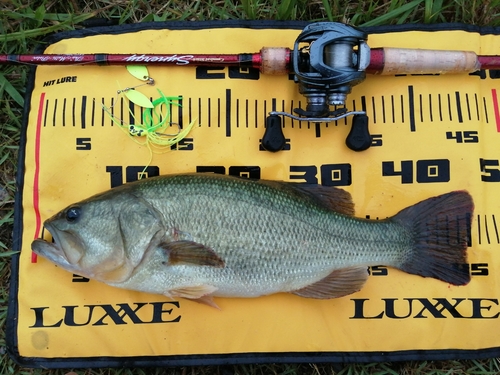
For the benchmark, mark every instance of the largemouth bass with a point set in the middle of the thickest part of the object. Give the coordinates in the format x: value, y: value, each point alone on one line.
x: 202, y: 235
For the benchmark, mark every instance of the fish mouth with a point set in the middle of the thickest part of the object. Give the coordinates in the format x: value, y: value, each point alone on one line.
x: 64, y: 251
x: 51, y: 251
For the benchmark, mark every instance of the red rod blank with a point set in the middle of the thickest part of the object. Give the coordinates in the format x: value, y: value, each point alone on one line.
x: 277, y: 60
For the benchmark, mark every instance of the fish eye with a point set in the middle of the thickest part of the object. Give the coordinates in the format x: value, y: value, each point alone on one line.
x: 73, y: 214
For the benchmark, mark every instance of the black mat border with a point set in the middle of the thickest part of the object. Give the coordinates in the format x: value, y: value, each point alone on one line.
x: 208, y: 359
x: 256, y: 359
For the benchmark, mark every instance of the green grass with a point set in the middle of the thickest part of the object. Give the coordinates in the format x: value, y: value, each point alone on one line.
x: 23, y: 23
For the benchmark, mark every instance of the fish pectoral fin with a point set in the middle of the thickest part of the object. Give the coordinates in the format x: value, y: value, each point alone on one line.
x: 339, y: 283
x: 199, y: 293
x: 191, y: 253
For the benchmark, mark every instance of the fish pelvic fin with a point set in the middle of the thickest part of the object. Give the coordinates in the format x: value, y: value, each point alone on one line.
x: 191, y: 253
x: 440, y: 227
x: 338, y: 283
x: 199, y: 293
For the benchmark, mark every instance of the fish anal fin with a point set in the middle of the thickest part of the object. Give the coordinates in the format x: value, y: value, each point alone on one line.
x: 199, y: 293
x: 207, y: 300
x: 191, y: 253
x: 335, y: 199
x: 338, y: 283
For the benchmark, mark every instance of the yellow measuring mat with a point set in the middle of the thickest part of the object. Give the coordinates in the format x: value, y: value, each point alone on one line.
x: 430, y: 135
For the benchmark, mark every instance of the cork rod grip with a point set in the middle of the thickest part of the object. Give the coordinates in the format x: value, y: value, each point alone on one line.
x: 421, y: 61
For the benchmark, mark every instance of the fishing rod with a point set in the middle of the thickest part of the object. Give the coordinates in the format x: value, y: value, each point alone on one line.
x: 327, y: 60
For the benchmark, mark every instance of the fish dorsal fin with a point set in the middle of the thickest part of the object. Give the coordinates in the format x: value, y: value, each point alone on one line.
x: 339, y: 283
x: 334, y: 198
x: 191, y: 253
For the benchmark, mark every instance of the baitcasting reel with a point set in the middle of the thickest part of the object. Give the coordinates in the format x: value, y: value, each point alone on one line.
x: 328, y: 59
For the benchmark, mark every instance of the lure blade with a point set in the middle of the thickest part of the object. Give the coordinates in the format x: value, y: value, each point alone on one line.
x: 138, y: 98
x: 139, y: 72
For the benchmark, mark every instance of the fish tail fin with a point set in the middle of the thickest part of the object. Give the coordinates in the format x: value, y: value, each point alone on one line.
x: 440, y: 227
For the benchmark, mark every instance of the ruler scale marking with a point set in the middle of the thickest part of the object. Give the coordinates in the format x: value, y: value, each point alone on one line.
x: 486, y: 230
x: 393, y: 113
x: 199, y: 110
x: 122, y: 121
x: 411, y: 106
x: 246, y: 113
x: 420, y: 102
x: 430, y: 108
x: 228, y: 112
x: 459, y: 107
x: 479, y: 228
x: 55, y: 112
x: 450, y: 115
x: 237, y: 113
x: 485, y: 110
x: 496, y: 228
x: 468, y: 106
x: 219, y: 117
x: 180, y: 112
x: 477, y: 106
x: 374, y: 113
x: 265, y: 112
x: 83, y: 112
x: 46, y: 111
x: 383, y: 109
x: 73, y: 112
x: 64, y: 112
x: 92, y: 122
x: 403, y: 110
x: 440, y: 107
x: 209, y: 106
x: 102, y: 113
x: 256, y: 113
